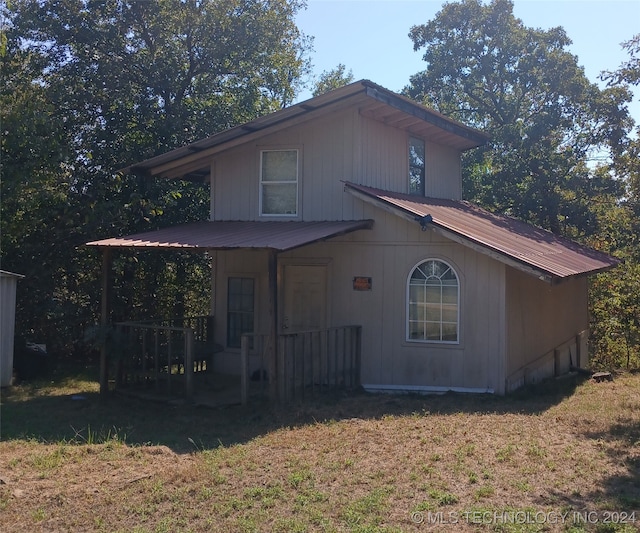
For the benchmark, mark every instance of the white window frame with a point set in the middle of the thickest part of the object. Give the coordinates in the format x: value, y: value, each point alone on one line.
x: 282, y: 182
x: 408, y: 306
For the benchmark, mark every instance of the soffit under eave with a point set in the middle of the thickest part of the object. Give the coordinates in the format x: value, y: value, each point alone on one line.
x: 419, y: 128
x: 399, y: 112
x: 467, y: 136
x: 198, y: 155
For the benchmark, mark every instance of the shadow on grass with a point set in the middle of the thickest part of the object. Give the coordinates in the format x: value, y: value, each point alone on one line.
x: 617, y: 436
x: 81, y: 416
x: 619, y: 441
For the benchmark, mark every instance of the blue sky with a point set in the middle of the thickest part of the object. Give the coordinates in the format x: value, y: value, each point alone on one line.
x: 370, y: 37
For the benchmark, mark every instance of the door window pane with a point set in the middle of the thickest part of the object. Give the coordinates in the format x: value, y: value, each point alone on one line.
x: 240, y: 309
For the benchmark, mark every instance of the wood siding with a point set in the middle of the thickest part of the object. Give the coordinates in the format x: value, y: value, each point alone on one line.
x: 342, y: 146
x: 387, y: 256
x: 508, y: 319
x: 544, y: 321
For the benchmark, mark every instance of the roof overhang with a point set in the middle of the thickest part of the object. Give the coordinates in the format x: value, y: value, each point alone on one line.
x: 229, y: 235
x: 7, y: 274
x: 193, y: 161
x: 525, y: 247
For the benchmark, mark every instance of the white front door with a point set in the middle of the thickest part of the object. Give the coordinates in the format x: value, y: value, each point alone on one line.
x: 305, y: 298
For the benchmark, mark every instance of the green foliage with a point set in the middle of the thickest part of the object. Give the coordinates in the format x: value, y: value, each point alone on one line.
x: 90, y: 87
x: 548, y: 125
x: 615, y: 313
x: 443, y: 497
x: 524, y: 88
x: 332, y: 79
x: 614, y: 302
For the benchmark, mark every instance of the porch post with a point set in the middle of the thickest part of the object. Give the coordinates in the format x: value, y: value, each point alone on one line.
x: 273, y: 324
x: 105, y: 309
x: 244, y: 369
x: 188, y: 362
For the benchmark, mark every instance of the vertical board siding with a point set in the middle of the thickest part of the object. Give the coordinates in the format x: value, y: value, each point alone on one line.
x: 342, y: 146
x: 346, y: 146
x: 533, y: 308
x: 443, y: 172
x: 387, y: 254
x: 8, y: 289
x: 236, y: 184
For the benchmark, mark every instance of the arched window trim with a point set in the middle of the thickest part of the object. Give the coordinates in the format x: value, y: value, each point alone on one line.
x: 407, y: 307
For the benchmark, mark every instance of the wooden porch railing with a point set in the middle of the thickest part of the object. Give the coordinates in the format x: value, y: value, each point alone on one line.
x: 567, y: 356
x: 307, y: 361
x: 164, y: 354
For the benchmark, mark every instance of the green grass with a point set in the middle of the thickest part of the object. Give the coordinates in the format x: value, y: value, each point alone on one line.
x: 349, y: 462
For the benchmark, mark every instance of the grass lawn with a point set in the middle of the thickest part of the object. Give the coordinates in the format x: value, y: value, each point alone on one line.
x: 564, y: 456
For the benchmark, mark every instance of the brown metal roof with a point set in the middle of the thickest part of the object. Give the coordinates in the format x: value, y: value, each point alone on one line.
x: 526, y: 247
x: 222, y: 235
x: 193, y: 161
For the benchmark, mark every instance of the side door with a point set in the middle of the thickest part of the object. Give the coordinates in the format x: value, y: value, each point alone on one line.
x: 305, y: 298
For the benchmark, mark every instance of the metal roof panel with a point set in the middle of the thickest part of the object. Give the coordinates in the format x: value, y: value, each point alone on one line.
x: 363, y: 92
x: 506, y: 238
x: 223, y: 235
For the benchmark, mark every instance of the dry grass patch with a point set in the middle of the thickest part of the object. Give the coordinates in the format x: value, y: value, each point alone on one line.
x: 347, y: 463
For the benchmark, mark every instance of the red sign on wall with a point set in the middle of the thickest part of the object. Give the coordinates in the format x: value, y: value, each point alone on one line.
x: 361, y: 283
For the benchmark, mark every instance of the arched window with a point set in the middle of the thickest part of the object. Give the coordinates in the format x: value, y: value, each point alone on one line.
x: 433, y: 299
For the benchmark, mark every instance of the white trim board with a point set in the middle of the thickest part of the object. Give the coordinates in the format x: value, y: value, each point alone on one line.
x: 422, y: 389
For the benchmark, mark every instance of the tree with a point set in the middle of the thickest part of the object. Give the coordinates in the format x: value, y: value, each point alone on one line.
x: 626, y: 152
x: 525, y: 89
x: 561, y: 154
x: 165, y: 72
x: 332, y: 79
x: 93, y: 86
x: 614, y: 295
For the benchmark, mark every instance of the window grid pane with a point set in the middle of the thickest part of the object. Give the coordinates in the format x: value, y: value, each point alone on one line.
x: 240, y: 313
x: 279, y: 182
x: 433, y: 312
x: 279, y: 198
x: 280, y: 165
x: 417, y: 165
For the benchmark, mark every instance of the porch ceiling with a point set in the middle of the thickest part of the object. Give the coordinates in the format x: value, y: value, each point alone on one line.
x: 523, y: 246
x: 227, y: 235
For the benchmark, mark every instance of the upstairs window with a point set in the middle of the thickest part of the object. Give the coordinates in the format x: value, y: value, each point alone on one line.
x: 279, y: 182
x: 433, y: 303
x: 417, y: 165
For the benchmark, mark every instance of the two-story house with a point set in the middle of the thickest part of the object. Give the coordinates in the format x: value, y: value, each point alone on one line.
x: 347, y: 209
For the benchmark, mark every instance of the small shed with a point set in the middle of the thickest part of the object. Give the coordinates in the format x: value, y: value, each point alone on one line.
x: 8, y: 285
